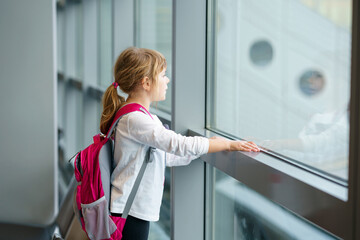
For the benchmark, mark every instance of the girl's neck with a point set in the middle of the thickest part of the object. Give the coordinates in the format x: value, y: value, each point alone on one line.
x: 143, y: 102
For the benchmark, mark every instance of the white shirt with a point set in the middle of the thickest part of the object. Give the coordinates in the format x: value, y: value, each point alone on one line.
x: 135, y: 132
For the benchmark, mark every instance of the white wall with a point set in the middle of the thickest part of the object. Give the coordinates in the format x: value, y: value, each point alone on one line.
x: 28, y: 132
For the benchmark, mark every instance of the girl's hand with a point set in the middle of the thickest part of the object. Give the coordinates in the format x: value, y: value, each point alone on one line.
x: 217, y: 144
x: 246, y: 146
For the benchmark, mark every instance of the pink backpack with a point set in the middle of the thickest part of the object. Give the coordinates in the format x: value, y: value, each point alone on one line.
x: 93, y: 168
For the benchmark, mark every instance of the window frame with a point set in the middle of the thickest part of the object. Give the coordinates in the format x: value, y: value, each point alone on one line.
x: 188, y: 112
x: 354, y: 154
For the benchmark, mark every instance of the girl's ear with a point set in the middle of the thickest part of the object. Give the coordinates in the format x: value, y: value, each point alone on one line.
x: 146, y: 83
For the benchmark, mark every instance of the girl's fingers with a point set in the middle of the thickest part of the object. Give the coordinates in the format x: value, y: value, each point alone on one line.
x: 246, y: 147
x: 251, y: 146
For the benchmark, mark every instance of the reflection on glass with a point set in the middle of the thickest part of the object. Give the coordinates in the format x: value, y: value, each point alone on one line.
x: 237, y: 212
x: 311, y: 82
x: 105, y: 41
x: 286, y: 76
x: 154, y: 31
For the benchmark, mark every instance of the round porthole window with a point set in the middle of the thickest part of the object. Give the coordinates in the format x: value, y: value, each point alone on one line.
x: 261, y: 53
x: 311, y: 82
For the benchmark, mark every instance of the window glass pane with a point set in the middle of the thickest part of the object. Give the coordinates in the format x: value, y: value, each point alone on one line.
x: 154, y: 31
x: 283, y: 79
x: 60, y: 37
x: 105, y: 41
x: 79, y: 41
x: 237, y: 212
x: 72, y: 40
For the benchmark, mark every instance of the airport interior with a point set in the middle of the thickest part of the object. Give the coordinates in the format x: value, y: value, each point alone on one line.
x: 282, y: 73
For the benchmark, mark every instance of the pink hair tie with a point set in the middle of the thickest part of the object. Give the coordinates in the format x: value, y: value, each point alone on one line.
x: 115, y: 84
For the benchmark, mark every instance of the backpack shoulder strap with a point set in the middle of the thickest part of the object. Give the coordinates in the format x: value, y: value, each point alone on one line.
x: 136, y: 185
x: 131, y: 107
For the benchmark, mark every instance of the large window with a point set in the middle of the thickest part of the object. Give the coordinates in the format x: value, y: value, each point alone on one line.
x: 154, y: 30
x: 279, y: 74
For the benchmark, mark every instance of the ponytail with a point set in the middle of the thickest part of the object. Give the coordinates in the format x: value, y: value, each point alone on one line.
x: 111, y: 104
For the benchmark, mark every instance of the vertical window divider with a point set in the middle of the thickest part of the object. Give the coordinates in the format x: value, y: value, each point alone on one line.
x: 354, y: 166
x: 188, y: 111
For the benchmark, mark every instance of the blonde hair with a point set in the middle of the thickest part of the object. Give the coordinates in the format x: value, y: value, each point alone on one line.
x: 130, y: 68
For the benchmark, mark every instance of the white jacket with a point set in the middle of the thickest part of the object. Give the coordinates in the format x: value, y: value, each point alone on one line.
x: 135, y: 132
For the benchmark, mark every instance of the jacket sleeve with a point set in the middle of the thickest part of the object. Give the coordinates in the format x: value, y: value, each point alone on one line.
x: 147, y: 131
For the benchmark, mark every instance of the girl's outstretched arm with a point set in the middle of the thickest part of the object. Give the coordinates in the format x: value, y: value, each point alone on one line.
x: 217, y: 144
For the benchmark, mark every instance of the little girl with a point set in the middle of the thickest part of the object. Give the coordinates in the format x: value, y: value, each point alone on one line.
x: 140, y: 73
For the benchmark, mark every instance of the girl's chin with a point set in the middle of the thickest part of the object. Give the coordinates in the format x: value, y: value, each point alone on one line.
x: 163, y: 99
